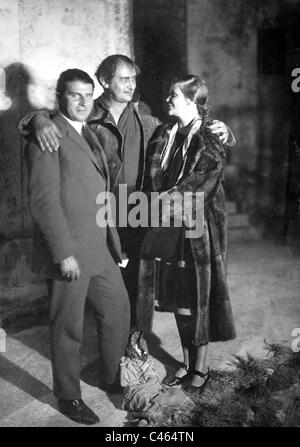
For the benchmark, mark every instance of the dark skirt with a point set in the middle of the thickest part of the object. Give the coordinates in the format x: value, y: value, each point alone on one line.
x: 175, y: 282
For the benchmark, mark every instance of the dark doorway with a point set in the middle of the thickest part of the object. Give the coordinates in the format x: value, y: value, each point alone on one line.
x: 293, y: 184
x: 159, y: 28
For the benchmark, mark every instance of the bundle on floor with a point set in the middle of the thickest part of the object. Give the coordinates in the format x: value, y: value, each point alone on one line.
x: 144, y: 390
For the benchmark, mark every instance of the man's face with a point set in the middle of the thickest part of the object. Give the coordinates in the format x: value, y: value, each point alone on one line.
x: 123, y: 84
x: 77, y: 100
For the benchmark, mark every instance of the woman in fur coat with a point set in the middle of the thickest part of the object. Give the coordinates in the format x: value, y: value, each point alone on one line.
x: 187, y: 157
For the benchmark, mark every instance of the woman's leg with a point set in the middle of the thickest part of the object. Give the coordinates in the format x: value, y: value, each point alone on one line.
x: 195, y: 358
x: 201, y: 365
x: 186, y: 332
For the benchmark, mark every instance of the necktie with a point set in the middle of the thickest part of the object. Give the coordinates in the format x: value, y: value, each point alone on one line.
x: 86, y: 133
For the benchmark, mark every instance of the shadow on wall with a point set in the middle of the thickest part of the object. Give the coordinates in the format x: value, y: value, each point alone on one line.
x: 16, y: 279
x: 13, y: 215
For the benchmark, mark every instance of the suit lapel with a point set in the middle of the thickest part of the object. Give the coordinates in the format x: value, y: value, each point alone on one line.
x: 100, y: 149
x: 77, y: 139
x: 81, y: 143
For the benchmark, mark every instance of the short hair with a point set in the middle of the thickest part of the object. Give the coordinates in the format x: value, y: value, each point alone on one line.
x: 194, y: 88
x: 108, y: 66
x: 72, y: 74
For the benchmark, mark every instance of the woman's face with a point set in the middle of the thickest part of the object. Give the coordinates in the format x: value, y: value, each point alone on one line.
x: 178, y: 104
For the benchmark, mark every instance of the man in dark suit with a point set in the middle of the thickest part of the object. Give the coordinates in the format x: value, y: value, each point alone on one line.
x: 77, y: 256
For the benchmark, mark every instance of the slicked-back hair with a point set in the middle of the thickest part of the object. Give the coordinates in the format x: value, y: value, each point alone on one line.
x: 108, y: 66
x: 72, y: 74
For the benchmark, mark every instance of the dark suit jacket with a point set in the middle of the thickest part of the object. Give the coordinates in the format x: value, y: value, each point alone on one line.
x: 63, y: 187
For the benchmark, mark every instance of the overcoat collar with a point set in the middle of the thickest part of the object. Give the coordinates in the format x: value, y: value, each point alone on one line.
x: 194, y: 145
x: 101, y: 110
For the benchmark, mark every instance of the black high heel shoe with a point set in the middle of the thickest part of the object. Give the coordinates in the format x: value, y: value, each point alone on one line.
x: 175, y: 380
x: 193, y: 389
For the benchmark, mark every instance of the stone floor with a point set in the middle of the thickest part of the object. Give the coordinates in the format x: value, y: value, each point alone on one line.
x: 264, y: 282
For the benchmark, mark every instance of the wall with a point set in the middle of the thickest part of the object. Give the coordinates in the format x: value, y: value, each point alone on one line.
x: 223, y: 47
x: 221, y: 40
x: 38, y: 40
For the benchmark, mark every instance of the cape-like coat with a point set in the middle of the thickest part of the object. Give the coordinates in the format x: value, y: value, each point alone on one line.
x: 202, y: 171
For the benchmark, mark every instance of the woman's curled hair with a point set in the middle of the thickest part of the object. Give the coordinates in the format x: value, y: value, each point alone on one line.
x: 194, y: 88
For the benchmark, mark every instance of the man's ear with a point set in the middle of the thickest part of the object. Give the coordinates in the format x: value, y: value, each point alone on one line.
x: 103, y: 82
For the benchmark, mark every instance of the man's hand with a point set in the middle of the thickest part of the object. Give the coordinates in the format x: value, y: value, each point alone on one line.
x: 219, y: 128
x: 46, y: 132
x: 69, y: 268
x: 124, y: 263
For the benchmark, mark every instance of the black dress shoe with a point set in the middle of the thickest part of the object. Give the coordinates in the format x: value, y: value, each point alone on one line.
x: 175, y: 380
x: 78, y: 411
x: 193, y: 389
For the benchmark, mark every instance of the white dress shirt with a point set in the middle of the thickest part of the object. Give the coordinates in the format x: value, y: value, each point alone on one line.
x: 76, y: 124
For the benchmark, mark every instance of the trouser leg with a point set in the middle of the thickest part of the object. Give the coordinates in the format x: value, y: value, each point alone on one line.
x: 131, y: 241
x: 130, y: 276
x: 109, y: 297
x: 66, y: 327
